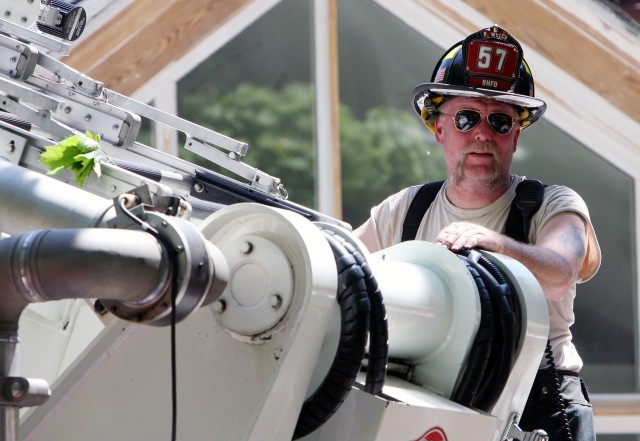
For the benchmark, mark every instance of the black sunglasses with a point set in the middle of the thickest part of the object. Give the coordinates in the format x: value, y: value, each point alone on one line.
x: 466, y: 119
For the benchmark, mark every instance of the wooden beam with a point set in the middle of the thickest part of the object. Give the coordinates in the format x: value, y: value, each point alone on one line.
x: 146, y: 37
x: 334, y: 76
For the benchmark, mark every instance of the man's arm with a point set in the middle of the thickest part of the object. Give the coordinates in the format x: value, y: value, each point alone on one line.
x: 367, y: 235
x: 554, y: 260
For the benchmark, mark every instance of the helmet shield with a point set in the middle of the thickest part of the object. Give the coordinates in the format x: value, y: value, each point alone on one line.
x: 487, y: 64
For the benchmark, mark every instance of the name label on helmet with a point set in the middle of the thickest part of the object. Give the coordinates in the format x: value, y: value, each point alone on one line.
x: 491, y: 64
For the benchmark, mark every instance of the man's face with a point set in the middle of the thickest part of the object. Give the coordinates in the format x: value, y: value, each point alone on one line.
x: 480, y: 154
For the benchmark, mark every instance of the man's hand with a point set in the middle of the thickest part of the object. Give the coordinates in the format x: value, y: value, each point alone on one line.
x: 555, y: 260
x: 459, y: 235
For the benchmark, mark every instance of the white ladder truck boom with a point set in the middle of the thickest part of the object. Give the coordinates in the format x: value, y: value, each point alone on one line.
x: 146, y: 296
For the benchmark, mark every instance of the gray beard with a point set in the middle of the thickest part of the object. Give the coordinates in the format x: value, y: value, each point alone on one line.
x: 495, y: 181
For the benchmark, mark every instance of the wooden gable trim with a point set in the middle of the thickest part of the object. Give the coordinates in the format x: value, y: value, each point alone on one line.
x: 149, y: 34
x: 563, y: 39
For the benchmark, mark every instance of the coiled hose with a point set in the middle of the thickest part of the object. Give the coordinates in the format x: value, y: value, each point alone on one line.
x: 500, y: 351
x: 362, y: 312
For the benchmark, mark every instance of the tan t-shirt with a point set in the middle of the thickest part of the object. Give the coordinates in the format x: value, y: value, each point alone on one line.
x: 388, y: 217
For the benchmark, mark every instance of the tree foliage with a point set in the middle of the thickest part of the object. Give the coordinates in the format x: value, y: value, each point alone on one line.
x: 381, y: 153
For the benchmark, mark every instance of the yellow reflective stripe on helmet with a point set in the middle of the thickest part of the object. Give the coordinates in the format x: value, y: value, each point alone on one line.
x: 425, y: 114
x: 524, y: 117
x: 452, y: 53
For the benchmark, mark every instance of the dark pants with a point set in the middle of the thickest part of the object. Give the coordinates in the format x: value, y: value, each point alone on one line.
x: 541, y: 410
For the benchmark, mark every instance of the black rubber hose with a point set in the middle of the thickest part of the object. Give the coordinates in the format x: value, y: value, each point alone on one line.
x: 354, y: 312
x: 478, y: 359
x: 378, y: 335
x: 378, y: 327
x: 511, y: 297
x: 503, y: 353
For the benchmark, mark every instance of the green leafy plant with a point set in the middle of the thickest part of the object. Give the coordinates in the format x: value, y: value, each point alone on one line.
x: 79, y: 153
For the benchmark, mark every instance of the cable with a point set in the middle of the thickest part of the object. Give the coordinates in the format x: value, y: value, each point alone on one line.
x: 122, y: 203
x: 174, y: 370
x: 566, y: 429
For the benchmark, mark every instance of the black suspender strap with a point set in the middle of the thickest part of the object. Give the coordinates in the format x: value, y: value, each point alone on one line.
x: 419, y: 206
x: 529, y: 196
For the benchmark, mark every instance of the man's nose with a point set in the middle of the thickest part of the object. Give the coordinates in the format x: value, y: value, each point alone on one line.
x: 483, y: 132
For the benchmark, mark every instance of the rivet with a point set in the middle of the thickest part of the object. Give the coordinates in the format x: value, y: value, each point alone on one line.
x: 219, y: 306
x: 246, y: 248
x: 275, y: 301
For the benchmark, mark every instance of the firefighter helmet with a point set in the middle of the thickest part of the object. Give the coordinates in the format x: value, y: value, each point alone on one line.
x: 487, y: 64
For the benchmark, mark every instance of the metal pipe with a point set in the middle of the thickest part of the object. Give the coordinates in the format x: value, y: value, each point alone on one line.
x: 8, y: 367
x: 45, y: 265
x: 32, y: 201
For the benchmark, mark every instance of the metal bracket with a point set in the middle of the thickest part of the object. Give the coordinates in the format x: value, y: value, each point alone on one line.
x: 257, y: 178
x: 11, y: 146
x: 516, y: 434
x: 35, y: 37
x: 23, y: 392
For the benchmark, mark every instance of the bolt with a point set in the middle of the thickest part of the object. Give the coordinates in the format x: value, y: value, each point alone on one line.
x: 115, y: 127
x: 198, y: 187
x: 113, y: 189
x: 67, y: 109
x: 87, y: 117
x: 275, y: 301
x: 164, y: 223
x: 180, y: 248
x: 14, y: 59
x: 24, y: 19
x: 7, y: 13
x: 17, y: 390
x: 11, y: 147
x: 246, y: 248
x: 219, y: 306
x: 99, y: 307
x: 545, y: 390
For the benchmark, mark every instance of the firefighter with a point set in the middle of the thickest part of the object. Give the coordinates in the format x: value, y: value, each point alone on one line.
x: 479, y: 99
